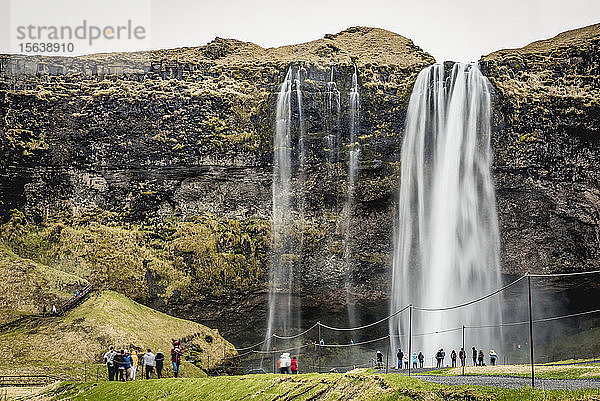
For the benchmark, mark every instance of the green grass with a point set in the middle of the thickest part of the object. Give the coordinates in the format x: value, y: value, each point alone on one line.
x: 355, y: 386
x: 62, y: 345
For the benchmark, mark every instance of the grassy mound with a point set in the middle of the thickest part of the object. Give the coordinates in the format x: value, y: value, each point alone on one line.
x: 59, y: 345
x: 354, y: 386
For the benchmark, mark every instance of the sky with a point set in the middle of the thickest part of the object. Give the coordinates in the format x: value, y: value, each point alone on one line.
x: 459, y: 30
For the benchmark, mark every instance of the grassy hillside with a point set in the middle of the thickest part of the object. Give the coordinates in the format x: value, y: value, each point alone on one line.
x: 354, y: 386
x: 59, y: 345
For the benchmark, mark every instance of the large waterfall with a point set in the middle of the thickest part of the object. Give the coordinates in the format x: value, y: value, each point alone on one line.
x: 353, y: 160
x: 447, y: 244
x: 283, y: 317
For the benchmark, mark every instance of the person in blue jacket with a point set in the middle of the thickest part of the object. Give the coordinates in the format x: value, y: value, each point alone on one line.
x: 128, y: 365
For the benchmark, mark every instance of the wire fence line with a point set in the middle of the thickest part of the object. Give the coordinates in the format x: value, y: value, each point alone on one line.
x: 445, y: 308
x: 366, y: 325
x: 565, y: 274
x: 424, y: 309
x: 299, y: 334
x: 547, y: 319
x: 354, y: 344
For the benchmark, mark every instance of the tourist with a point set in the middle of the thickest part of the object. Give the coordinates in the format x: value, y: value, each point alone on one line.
x: 414, y: 360
x: 474, y: 357
x: 462, y: 355
x: 453, y: 358
x: 284, y: 363
x: 294, y: 366
x: 108, y: 360
x: 176, y: 354
x: 379, y: 360
x: 443, y: 353
x: 400, y: 356
x: 322, y: 342
x: 160, y: 358
x: 76, y: 293
x: 480, y: 357
x: 134, y: 363
x: 119, y: 361
x: 149, y: 362
x: 54, y: 310
x: 128, y: 363
x: 351, y: 341
x: 438, y: 358
x: 493, y: 357
x: 421, y: 358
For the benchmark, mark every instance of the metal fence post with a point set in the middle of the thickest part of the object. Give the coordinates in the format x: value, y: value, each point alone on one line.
x: 319, y: 355
x: 274, y: 347
x: 410, y: 314
x: 387, y: 356
x: 464, y: 358
x: 531, y: 333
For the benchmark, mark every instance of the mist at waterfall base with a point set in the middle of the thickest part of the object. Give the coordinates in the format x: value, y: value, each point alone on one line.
x: 446, y: 250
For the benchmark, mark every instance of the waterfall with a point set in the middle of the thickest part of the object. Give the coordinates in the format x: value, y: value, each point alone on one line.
x: 447, y: 242
x: 281, y: 316
x: 332, y: 118
x: 353, y: 159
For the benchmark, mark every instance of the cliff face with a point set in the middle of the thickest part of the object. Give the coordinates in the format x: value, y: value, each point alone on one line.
x: 162, y: 163
x: 547, y: 150
x: 151, y: 172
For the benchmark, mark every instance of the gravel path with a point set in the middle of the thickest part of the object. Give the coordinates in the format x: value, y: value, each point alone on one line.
x: 511, y: 382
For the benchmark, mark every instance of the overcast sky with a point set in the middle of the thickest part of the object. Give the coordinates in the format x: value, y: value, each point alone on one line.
x: 460, y: 30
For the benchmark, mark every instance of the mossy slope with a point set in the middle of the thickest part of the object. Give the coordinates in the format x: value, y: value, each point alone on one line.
x: 106, y: 318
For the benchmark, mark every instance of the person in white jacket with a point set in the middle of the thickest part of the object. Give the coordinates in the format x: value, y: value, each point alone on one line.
x: 149, y: 363
x: 284, y: 363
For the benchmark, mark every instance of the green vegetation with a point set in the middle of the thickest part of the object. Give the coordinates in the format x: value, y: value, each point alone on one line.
x: 160, y: 258
x: 355, y: 386
x: 61, y: 345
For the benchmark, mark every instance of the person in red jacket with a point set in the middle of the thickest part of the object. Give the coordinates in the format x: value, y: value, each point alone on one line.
x: 294, y: 366
x: 176, y: 354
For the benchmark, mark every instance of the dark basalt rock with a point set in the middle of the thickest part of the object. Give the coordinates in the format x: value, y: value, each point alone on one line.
x: 547, y: 149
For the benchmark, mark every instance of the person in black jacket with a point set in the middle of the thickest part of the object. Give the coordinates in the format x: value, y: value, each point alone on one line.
x: 453, y: 358
x: 474, y: 357
x: 462, y: 355
x: 119, y: 362
x: 160, y: 358
x: 400, y: 356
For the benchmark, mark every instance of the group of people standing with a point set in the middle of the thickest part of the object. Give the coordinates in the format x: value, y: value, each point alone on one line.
x: 478, y: 357
x: 439, y: 357
x: 122, y: 365
x: 416, y: 359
